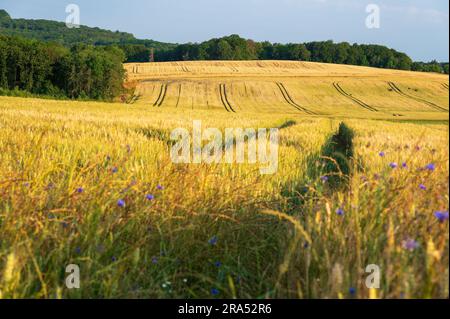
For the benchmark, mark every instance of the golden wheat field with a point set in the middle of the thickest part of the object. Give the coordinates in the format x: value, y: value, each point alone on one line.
x: 291, y: 88
x: 93, y: 184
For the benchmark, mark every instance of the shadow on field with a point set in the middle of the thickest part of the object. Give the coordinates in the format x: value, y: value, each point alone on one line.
x: 156, y: 134
x: 332, y: 168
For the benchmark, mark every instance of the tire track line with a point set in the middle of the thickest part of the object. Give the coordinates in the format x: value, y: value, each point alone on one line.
x: 338, y: 87
x: 224, y: 98
x: 162, y: 95
x: 287, y: 97
x: 179, y: 95
x: 397, y: 90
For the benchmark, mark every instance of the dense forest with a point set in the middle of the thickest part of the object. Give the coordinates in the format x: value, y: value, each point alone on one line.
x: 47, y: 58
x: 52, y: 31
x: 49, y: 69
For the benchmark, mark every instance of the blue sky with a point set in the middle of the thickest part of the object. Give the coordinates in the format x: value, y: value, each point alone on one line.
x: 418, y: 27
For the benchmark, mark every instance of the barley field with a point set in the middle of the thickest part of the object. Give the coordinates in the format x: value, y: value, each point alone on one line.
x: 93, y: 184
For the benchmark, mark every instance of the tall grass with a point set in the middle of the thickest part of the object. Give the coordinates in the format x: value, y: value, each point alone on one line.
x: 213, y: 231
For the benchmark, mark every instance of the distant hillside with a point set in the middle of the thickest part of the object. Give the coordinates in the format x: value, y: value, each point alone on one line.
x: 226, y: 48
x: 52, y: 31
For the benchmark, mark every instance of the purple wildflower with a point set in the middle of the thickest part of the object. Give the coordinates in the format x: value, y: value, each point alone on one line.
x: 154, y: 260
x: 352, y: 291
x: 213, y: 241
x: 431, y: 167
x: 441, y: 216
x: 215, y: 291
x: 80, y: 190
x: 382, y: 154
x: 423, y: 187
x: 393, y: 165
x: 159, y: 187
x: 150, y: 197
x: 324, y: 179
x: 121, y: 203
x: 114, y: 170
x: 218, y: 264
x: 404, y: 165
x: 340, y: 212
x: 410, y: 244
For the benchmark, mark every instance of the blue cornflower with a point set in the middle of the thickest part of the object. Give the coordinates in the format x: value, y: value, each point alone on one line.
x: 215, y: 291
x: 80, y: 190
x: 410, y: 244
x: 154, y: 260
x: 340, y: 212
x: 121, y: 203
x: 382, y: 154
x: 431, y: 167
x: 393, y: 165
x: 352, y: 291
x: 150, y: 197
x: 404, y: 165
x: 113, y: 259
x: 217, y: 264
x: 213, y: 241
x: 441, y: 216
x: 159, y: 187
x: 423, y: 187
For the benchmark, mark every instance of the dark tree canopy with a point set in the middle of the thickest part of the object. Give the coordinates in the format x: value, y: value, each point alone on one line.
x: 50, y: 69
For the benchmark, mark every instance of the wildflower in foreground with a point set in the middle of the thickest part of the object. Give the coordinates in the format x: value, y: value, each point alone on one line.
x: 441, y: 216
x: 80, y: 190
x: 382, y: 154
x: 121, y: 203
x: 159, y: 187
x: 431, y: 167
x: 404, y: 165
x: 324, y: 179
x: 410, y: 244
x: 393, y: 165
x: 215, y: 292
x: 423, y: 187
x: 352, y: 291
x: 218, y: 264
x: 150, y: 197
x: 340, y: 212
x: 154, y: 260
x: 213, y: 241
x: 115, y: 170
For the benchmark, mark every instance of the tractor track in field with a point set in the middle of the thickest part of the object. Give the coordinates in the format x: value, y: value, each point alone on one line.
x: 224, y: 98
x: 162, y: 96
x: 445, y: 86
x: 338, y: 87
x: 179, y: 95
x: 287, y: 97
x: 397, y: 90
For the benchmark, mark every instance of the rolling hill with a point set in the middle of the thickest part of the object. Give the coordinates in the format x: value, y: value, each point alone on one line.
x: 291, y: 87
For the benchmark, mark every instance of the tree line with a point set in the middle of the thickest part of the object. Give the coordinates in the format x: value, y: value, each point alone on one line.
x: 236, y: 48
x: 81, y: 72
